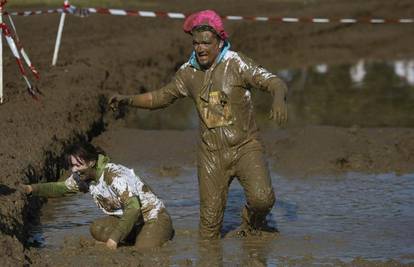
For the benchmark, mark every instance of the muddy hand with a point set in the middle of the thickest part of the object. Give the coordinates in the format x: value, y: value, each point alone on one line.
x: 116, y: 100
x: 26, y: 188
x: 111, y: 244
x: 279, y: 112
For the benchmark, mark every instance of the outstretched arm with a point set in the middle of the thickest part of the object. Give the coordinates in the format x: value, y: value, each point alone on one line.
x: 155, y: 99
x: 139, y: 101
x: 53, y: 189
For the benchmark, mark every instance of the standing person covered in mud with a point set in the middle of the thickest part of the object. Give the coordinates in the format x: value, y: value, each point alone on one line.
x: 136, y: 213
x: 220, y: 82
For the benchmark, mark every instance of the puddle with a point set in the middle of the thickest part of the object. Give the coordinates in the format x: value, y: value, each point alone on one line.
x: 355, y: 215
x: 366, y: 93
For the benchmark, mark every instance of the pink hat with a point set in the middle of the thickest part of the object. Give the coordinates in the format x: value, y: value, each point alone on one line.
x: 205, y: 17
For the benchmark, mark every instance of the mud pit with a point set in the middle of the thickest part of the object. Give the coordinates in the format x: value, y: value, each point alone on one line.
x: 99, y: 56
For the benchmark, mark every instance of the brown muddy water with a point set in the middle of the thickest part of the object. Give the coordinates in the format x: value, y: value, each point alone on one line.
x: 326, y: 218
x: 320, y: 219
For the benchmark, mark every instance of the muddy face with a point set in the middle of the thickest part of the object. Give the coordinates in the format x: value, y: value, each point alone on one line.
x: 83, y: 167
x: 207, y: 47
x: 82, y: 176
x: 78, y: 164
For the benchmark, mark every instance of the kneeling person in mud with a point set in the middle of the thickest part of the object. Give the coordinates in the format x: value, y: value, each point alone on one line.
x: 220, y: 82
x: 136, y: 213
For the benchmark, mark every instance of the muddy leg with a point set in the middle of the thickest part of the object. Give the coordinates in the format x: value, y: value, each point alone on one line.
x: 254, y: 177
x: 213, y: 189
x: 102, y: 228
x: 155, y: 233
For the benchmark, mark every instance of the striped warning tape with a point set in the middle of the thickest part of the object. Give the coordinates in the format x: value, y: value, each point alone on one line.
x: 10, y: 41
x: 175, y: 15
x: 22, y: 51
x: 36, y: 12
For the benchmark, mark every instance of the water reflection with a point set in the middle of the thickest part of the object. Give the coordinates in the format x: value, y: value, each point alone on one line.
x: 321, y: 68
x: 368, y: 94
x: 405, y: 69
x: 365, y: 93
x: 358, y: 72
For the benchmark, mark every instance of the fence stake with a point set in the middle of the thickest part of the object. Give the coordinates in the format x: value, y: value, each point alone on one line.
x: 59, y: 34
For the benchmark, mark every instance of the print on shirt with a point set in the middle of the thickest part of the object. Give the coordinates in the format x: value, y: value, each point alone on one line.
x: 217, y: 112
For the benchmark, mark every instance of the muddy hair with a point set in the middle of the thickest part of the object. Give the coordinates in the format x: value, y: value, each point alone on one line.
x: 84, y: 150
x: 203, y: 28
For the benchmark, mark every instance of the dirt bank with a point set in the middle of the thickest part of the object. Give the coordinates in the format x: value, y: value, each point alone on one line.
x: 103, y: 54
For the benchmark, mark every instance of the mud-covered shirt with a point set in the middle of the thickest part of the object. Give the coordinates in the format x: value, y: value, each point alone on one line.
x: 116, y: 185
x: 222, y: 95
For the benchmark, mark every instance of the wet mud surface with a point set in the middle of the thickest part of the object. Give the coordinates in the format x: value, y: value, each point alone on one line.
x: 105, y: 54
x: 327, y: 213
x: 323, y: 219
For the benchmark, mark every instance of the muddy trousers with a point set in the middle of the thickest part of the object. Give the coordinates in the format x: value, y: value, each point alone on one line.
x: 153, y: 233
x: 216, y: 169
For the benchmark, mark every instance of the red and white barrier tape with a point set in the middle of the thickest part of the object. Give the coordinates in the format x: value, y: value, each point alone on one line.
x: 15, y: 51
x: 22, y: 52
x: 175, y: 15
x: 37, y: 12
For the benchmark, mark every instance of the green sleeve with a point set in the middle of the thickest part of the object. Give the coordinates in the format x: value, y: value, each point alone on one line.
x: 54, y: 189
x: 131, y: 215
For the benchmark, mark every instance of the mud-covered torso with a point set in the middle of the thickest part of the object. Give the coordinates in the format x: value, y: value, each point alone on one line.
x: 118, y: 183
x: 223, y: 101
x: 222, y: 96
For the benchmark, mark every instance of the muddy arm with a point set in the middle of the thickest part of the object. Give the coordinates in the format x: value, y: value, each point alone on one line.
x: 278, y: 89
x: 141, y: 100
x: 156, y: 99
x: 168, y: 94
x: 132, y: 214
x: 258, y: 77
